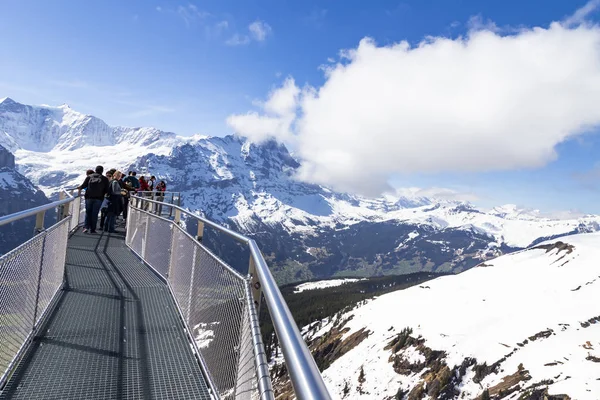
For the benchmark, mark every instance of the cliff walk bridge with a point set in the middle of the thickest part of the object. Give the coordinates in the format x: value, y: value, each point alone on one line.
x: 149, y: 313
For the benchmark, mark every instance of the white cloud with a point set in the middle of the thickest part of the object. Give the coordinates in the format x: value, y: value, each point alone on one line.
x: 191, y: 14
x: 259, y: 30
x: 581, y: 14
x: 280, y: 114
x: 438, y: 193
x: 283, y: 101
x: 238, y: 40
x: 477, y: 23
x: 482, y: 102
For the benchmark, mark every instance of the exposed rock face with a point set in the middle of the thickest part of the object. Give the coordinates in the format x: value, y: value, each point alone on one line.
x: 7, y: 160
x: 17, y: 193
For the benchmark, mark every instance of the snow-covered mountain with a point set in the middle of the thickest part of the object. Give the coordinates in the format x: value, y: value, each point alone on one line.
x: 307, y: 231
x: 54, y: 146
x: 522, y: 326
x: 16, y: 193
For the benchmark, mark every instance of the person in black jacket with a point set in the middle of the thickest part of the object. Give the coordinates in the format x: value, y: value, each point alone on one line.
x: 115, y: 202
x: 96, y: 186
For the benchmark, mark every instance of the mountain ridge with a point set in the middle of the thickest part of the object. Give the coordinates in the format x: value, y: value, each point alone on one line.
x: 307, y: 231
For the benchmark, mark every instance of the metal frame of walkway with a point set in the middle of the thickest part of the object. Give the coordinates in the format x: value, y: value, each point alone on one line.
x: 152, y: 314
x: 114, y: 333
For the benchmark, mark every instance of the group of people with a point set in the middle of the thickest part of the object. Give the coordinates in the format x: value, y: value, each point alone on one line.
x: 108, y: 195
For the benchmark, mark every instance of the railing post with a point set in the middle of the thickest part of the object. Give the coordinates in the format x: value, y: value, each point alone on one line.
x: 254, y: 284
x: 189, y: 310
x: 39, y: 281
x: 39, y: 222
x: 61, y: 209
x: 172, y: 252
x: 145, y: 237
x: 177, y: 216
x: 200, y: 234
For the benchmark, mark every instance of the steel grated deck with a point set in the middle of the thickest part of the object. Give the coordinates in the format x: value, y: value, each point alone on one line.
x: 115, y: 333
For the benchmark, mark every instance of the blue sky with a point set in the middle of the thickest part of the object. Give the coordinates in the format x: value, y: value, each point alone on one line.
x: 185, y: 66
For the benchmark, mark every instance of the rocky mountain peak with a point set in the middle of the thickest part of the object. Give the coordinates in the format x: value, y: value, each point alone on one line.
x: 7, y: 159
x: 16, y: 193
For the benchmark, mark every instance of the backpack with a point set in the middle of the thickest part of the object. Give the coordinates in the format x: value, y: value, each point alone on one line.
x: 95, y: 187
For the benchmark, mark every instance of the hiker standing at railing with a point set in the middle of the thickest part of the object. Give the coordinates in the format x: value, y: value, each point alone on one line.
x: 87, y: 173
x: 161, y: 188
x: 115, y: 203
x: 96, y: 187
x: 145, y: 188
x: 133, y: 184
x: 104, y: 206
x: 132, y: 180
x: 126, y: 189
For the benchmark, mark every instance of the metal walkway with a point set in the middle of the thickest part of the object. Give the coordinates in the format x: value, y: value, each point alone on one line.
x: 115, y: 333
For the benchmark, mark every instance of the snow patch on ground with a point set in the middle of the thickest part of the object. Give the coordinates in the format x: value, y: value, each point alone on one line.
x: 204, y: 334
x: 324, y: 284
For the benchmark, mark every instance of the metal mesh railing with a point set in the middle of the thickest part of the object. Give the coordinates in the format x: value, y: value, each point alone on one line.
x: 212, y: 297
x: 157, y: 244
x: 75, y: 210
x: 53, y: 264
x: 217, y: 308
x: 30, y: 276
x: 164, y: 202
x: 19, y: 275
x: 219, y: 305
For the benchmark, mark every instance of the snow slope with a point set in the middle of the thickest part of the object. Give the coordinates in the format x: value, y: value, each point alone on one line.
x: 491, y: 313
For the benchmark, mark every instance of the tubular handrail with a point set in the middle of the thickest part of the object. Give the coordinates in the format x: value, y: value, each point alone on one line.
x: 305, y: 376
x: 237, y: 236
x: 304, y: 373
x: 7, y: 219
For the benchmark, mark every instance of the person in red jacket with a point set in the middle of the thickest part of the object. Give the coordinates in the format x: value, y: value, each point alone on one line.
x: 145, y: 189
x: 144, y: 185
x: 161, y: 188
